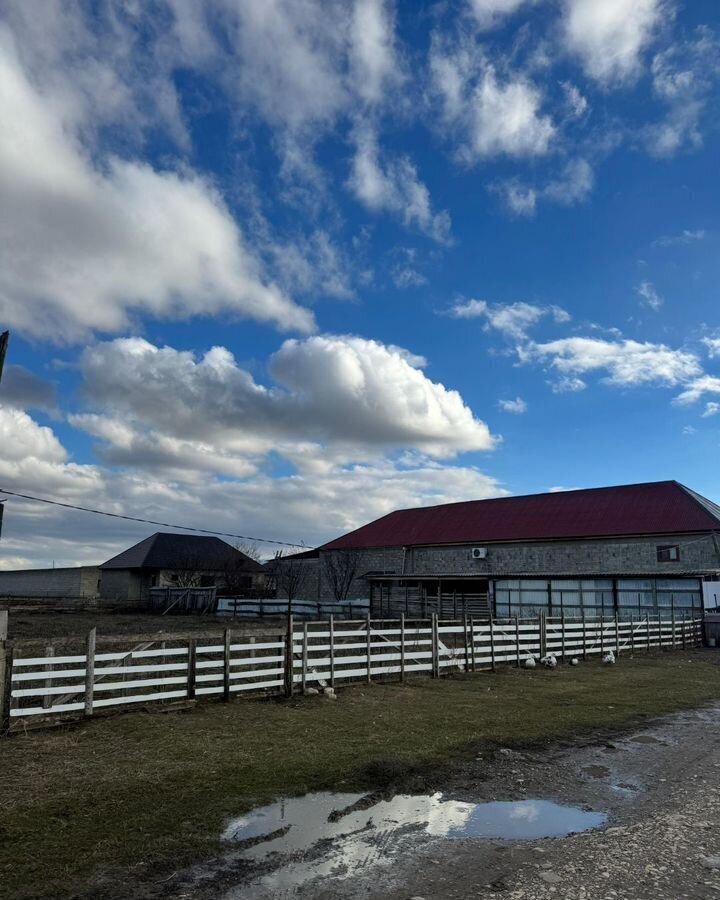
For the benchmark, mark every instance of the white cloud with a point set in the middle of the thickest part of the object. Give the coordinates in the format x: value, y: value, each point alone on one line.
x: 313, y: 507
x: 713, y: 347
x: 517, y: 406
x: 373, y: 51
x: 626, y: 363
x: 705, y: 384
x: 683, y: 78
x: 491, y: 13
x: 575, y: 102
x: 359, y: 396
x: 649, y: 296
x: 394, y: 186
x: 572, y: 186
x: 25, y: 390
x: 711, y: 409
x: 610, y: 36
x: 689, y: 430
x: 84, y: 247
x: 514, y: 320
x: 568, y: 385
x: 494, y: 115
x: 406, y: 277
x: 686, y: 236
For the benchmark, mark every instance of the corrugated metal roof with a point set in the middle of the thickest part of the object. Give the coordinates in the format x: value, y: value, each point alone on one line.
x: 167, y: 550
x: 664, y: 507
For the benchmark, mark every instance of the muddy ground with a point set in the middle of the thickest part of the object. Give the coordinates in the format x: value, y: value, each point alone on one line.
x: 658, y: 787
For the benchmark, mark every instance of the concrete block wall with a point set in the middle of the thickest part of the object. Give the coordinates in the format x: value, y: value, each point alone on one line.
x: 73, y: 582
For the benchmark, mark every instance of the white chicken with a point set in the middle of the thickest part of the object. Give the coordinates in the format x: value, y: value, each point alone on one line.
x: 609, y: 658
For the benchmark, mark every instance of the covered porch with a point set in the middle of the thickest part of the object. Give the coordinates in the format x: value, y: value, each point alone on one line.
x: 450, y: 596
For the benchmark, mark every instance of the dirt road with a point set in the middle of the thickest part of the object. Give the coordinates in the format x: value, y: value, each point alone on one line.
x: 658, y: 788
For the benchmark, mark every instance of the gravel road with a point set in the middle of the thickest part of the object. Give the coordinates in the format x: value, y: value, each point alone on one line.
x: 658, y: 786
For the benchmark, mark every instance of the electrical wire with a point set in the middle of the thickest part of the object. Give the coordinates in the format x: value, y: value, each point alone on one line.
x: 102, y: 512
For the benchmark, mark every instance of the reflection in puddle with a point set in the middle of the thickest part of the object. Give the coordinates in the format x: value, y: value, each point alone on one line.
x: 340, y: 835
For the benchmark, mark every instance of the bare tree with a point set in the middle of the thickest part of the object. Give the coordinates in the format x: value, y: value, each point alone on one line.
x: 341, y: 568
x: 291, y: 577
x: 249, y: 548
x: 189, y: 573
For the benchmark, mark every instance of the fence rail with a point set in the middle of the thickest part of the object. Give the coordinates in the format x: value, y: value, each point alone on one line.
x: 309, y: 654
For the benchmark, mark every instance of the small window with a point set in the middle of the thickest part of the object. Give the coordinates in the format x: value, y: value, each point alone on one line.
x: 668, y: 553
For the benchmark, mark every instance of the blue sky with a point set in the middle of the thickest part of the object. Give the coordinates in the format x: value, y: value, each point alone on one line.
x: 277, y: 269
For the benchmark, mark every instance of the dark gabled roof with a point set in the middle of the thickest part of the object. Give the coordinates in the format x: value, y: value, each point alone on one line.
x: 167, y: 550
x: 664, y: 507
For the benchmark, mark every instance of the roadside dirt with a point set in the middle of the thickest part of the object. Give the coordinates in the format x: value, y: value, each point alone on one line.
x: 658, y: 787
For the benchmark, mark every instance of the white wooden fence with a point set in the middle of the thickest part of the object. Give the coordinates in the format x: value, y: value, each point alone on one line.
x: 50, y: 683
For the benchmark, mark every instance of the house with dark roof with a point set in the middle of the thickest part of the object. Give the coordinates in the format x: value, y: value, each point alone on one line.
x: 633, y: 549
x: 166, y: 559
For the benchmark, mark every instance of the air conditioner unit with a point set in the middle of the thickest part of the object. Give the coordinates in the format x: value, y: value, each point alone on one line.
x: 479, y: 552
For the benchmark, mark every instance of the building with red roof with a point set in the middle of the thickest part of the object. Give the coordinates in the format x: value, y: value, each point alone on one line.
x: 633, y: 549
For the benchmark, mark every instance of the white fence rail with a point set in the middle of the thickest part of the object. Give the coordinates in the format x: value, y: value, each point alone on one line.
x: 47, y: 683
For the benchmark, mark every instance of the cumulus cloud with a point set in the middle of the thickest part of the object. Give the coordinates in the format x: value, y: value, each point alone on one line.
x: 517, y: 406
x: 311, y: 507
x: 84, y: 247
x: 394, y: 186
x: 625, y: 363
x: 359, y: 395
x: 514, y: 320
x: 493, y: 114
x: 713, y: 347
x: 25, y: 390
x: 609, y: 37
x: 649, y: 296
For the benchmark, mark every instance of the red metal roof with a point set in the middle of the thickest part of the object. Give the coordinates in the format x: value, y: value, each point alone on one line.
x: 664, y: 507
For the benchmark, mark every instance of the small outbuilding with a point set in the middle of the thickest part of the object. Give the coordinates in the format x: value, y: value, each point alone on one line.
x: 166, y: 559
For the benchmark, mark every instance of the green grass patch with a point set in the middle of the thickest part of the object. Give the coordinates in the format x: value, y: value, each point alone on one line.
x: 133, y: 794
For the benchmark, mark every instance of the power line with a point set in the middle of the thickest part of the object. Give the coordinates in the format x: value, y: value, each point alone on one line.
x: 102, y: 512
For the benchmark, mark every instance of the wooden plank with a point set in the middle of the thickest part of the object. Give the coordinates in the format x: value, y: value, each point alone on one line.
x: 289, y: 664
x: 7, y: 653
x: 369, y: 649
x: 226, y: 665
x: 467, y: 645
x: 49, y: 652
x: 632, y: 634
x: 435, y: 647
x: 472, y: 642
x: 305, y: 651
x: 517, y: 642
x: 617, y: 636
x: 190, y: 688
x: 492, y: 643
x: 402, y: 646
x: 332, y: 651
x: 647, y: 625
x: 562, y: 635
x: 90, y: 671
x: 584, y: 635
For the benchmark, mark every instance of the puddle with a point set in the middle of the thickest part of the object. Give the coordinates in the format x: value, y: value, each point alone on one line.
x: 646, y: 739
x: 340, y: 835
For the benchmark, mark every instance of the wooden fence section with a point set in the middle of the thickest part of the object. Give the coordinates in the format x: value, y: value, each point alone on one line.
x: 104, y: 673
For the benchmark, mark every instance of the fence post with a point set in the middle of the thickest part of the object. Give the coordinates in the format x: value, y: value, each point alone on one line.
x: 673, y: 628
x: 226, y: 665
x: 435, y: 646
x: 332, y: 651
x: 304, y: 657
x: 617, y: 635
x: 562, y: 635
x: 192, y: 646
x: 472, y: 642
x: 602, y: 635
x: 402, y: 646
x: 467, y: 646
x: 90, y: 671
x: 517, y: 641
x: 368, y: 649
x: 289, y: 668
x: 541, y: 626
x: 6, y: 666
x: 684, y: 619
x: 47, y: 699
x: 647, y: 625
x: 492, y: 644
x: 632, y: 635
x: 584, y: 635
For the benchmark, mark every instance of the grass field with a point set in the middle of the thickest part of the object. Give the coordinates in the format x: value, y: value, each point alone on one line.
x: 131, y: 797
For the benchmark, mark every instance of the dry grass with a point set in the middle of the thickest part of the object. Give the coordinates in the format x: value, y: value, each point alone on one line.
x: 131, y: 795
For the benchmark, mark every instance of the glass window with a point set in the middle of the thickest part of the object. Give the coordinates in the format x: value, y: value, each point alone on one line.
x: 678, y: 584
x: 668, y: 553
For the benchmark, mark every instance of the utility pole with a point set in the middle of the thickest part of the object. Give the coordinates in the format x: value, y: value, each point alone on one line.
x: 4, y: 338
